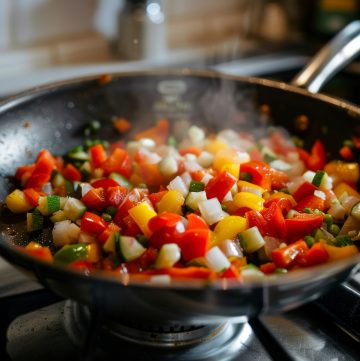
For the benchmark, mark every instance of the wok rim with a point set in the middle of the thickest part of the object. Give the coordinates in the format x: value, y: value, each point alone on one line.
x: 179, y: 284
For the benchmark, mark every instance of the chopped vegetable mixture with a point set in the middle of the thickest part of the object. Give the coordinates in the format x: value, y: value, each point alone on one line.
x: 204, y: 206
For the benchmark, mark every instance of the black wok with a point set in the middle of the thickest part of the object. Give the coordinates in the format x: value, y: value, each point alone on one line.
x: 54, y: 117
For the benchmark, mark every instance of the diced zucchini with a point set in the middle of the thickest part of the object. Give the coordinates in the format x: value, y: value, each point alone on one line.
x: 355, y: 211
x: 130, y: 248
x: 121, y: 180
x: 79, y: 156
x: 74, y: 209
x: 35, y: 221
x: 110, y: 244
x: 251, y: 275
x: 57, y: 180
x: 251, y: 240
x: 49, y: 204
x: 194, y: 198
x: 196, y: 186
x: 71, y: 253
x: 318, y: 178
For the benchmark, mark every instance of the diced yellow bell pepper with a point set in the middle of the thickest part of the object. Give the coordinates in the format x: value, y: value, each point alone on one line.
x: 93, y: 253
x: 336, y: 253
x: 215, y: 145
x: 342, y: 188
x: 229, y: 155
x: 343, y: 171
x: 17, y: 202
x: 249, y: 200
x: 238, y: 262
x: 33, y: 245
x: 242, y: 183
x: 283, y: 195
x: 141, y: 214
x: 232, y: 168
x: 172, y: 202
x: 229, y: 227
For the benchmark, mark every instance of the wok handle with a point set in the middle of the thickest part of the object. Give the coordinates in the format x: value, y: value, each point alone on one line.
x: 334, y: 56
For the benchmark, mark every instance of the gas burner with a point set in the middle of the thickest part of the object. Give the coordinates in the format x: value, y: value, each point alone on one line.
x: 161, y: 342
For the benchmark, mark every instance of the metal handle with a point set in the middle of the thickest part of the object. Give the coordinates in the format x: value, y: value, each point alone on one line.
x: 334, y: 56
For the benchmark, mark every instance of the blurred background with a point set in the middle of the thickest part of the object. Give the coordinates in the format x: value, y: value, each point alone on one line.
x: 46, y: 40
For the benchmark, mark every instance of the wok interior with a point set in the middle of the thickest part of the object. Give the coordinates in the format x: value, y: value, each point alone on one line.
x: 55, y: 119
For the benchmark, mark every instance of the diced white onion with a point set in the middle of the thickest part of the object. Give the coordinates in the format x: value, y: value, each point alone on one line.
x: 205, y: 159
x: 86, y: 238
x: 337, y: 211
x: 47, y: 188
x: 186, y: 177
x: 228, y: 197
x: 271, y: 243
x: 309, y: 176
x: 230, y: 248
x: 216, y: 260
x: 194, y: 198
x: 189, y: 157
x: 292, y: 157
x: 192, y: 166
x: 65, y: 232
x: 349, y: 202
x: 178, y: 184
x: 149, y: 157
x: 147, y: 143
x: 280, y: 165
x: 168, y: 255
x: 85, y: 187
x: 295, y: 184
x: 251, y: 275
x: 168, y: 166
x: 211, y: 211
x: 297, y: 169
x: 196, y: 134
x: 206, y: 178
x: 320, y: 194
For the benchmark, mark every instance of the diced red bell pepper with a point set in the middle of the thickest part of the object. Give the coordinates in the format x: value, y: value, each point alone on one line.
x: 240, y: 211
x: 82, y: 265
x: 166, y: 219
x: 45, y: 162
x: 232, y: 272
x: 110, y: 229
x: 312, y: 202
x: 278, y: 179
x: 115, y: 195
x: 190, y: 272
x: 97, y: 155
x: 268, y: 268
x: 95, y: 199
x: 315, y: 255
x: 71, y: 173
x: 165, y: 235
x: 119, y: 162
x: 92, y: 223
x: 32, y: 196
x: 198, y: 175
x: 283, y: 203
x: 194, y: 243
x: 151, y: 174
x: 37, y: 180
x: 42, y: 253
x: 159, y: 133
x: 260, y: 173
x: 104, y: 183
x: 305, y: 189
x: 191, y: 150
x: 24, y: 169
x: 155, y: 198
x: 347, y: 153
x: 219, y: 186
x: 317, y: 159
x: 130, y: 201
x: 143, y: 262
x: 275, y: 221
x: 131, y: 229
x: 285, y: 257
x: 302, y: 224
x: 303, y: 155
x: 256, y: 219
x: 195, y: 222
